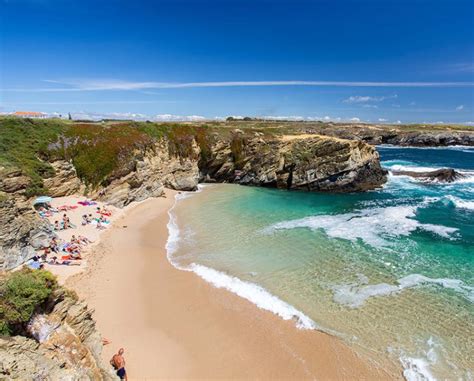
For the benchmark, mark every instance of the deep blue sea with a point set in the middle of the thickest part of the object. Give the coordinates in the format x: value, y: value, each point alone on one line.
x: 389, y: 271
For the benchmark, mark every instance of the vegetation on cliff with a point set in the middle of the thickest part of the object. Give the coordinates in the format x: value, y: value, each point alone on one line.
x: 97, y: 150
x: 22, y: 293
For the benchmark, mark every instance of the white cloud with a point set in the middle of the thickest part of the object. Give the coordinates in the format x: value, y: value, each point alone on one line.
x: 114, y: 85
x: 354, y: 119
x: 399, y: 122
x: 382, y: 120
x: 283, y: 117
x: 367, y: 98
x: 369, y: 106
x: 412, y: 104
x: 178, y: 118
x: 459, y: 108
x: 112, y: 115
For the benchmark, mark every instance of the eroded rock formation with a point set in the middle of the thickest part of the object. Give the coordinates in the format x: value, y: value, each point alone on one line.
x: 63, y: 345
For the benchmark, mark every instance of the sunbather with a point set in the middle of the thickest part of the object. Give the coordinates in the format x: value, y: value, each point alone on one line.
x: 83, y: 240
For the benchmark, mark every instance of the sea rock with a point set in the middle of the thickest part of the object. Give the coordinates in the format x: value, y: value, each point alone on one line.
x: 446, y: 175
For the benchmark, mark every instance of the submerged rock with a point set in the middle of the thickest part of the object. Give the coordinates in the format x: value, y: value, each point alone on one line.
x: 445, y: 175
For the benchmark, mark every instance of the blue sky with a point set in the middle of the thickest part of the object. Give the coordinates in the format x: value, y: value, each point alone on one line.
x: 378, y: 60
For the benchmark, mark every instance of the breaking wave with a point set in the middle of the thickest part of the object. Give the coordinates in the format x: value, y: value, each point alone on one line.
x: 255, y: 294
x: 460, y: 203
x: 374, y: 226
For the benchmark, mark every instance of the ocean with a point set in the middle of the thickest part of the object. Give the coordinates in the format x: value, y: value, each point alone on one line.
x: 390, y: 272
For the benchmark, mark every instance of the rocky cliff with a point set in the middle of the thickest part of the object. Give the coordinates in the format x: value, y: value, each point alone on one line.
x: 62, y: 345
x: 299, y: 162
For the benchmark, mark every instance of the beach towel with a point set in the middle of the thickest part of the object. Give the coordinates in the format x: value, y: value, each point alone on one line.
x: 87, y: 203
x: 35, y: 265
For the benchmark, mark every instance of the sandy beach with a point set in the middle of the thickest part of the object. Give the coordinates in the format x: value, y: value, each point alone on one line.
x: 173, y: 324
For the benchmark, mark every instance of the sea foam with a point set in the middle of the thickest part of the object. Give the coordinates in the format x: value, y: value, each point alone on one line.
x: 416, y: 369
x: 353, y: 295
x: 374, y: 226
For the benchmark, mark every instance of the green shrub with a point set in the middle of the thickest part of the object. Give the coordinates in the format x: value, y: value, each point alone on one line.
x: 21, y: 294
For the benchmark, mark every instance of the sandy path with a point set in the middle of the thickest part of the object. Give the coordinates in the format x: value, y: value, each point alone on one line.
x: 173, y: 324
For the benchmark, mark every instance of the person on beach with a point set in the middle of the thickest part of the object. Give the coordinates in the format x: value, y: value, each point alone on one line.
x: 65, y: 222
x: 118, y: 362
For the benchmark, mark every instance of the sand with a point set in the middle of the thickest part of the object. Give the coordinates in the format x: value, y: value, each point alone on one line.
x: 173, y: 324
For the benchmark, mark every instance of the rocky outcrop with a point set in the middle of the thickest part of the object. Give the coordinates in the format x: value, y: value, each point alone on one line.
x: 315, y: 163
x: 21, y: 232
x: 65, y: 181
x: 445, y: 175
x: 153, y: 170
x: 63, y: 345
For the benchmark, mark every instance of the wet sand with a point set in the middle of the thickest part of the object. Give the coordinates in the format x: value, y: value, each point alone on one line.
x: 173, y: 324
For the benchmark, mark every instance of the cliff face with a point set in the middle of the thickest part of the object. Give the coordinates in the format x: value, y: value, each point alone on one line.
x: 64, y: 345
x: 313, y: 163
x: 304, y: 162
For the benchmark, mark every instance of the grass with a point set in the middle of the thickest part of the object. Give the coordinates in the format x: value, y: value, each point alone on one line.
x: 22, y: 293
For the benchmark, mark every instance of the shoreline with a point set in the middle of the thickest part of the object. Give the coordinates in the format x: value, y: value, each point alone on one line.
x: 174, y: 324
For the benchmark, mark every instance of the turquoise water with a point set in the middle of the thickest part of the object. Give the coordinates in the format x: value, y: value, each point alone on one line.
x: 389, y: 271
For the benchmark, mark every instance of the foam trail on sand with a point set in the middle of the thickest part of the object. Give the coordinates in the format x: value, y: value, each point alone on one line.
x: 247, y: 290
x: 354, y: 296
x: 416, y: 369
x: 374, y: 226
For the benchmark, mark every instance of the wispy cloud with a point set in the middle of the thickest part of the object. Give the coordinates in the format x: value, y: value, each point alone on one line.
x: 460, y: 107
x: 463, y: 67
x: 119, y: 85
x: 366, y: 98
